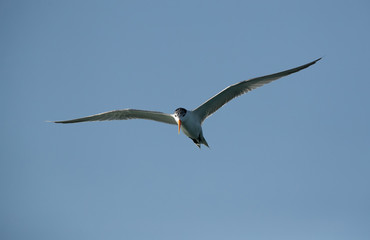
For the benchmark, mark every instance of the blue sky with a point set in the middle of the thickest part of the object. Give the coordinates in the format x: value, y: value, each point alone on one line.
x: 289, y: 160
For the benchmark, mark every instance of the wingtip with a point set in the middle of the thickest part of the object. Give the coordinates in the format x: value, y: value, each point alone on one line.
x: 54, y: 121
x: 315, y: 61
x: 312, y: 63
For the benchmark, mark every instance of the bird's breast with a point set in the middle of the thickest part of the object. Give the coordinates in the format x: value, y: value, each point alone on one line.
x: 191, y: 126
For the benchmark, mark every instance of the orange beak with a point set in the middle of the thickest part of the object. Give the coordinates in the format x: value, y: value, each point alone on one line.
x: 179, y: 123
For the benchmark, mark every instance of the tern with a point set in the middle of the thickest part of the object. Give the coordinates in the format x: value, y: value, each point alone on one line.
x: 190, y: 121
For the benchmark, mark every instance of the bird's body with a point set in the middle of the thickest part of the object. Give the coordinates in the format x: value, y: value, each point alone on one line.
x: 190, y: 125
x: 190, y: 121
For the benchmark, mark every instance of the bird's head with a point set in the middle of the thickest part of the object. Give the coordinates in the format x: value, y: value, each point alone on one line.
x: 179, y: 115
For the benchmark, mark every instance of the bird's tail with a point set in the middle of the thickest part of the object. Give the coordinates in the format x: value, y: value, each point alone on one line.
x: 200, y: 140
x: 203, y: 140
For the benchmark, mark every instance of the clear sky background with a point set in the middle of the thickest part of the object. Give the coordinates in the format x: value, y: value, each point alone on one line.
x: 289, y: 160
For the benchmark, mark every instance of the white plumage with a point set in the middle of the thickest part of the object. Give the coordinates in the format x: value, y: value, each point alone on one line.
x: 191, y: 121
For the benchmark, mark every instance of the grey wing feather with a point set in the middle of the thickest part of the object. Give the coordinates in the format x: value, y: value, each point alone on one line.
x: 124, y: 115
x: 213, y: 104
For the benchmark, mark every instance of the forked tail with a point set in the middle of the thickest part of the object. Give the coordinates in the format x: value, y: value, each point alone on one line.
x: 200, y: 140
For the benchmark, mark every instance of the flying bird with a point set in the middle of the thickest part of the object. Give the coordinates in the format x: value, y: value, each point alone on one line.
x: 190, y: 121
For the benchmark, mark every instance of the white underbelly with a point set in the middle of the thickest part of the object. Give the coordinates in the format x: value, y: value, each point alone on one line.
x: 191, y: 129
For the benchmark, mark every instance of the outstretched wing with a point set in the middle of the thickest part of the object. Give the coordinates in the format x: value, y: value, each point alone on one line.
x: 213, y: 104
x: 125, y: 114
